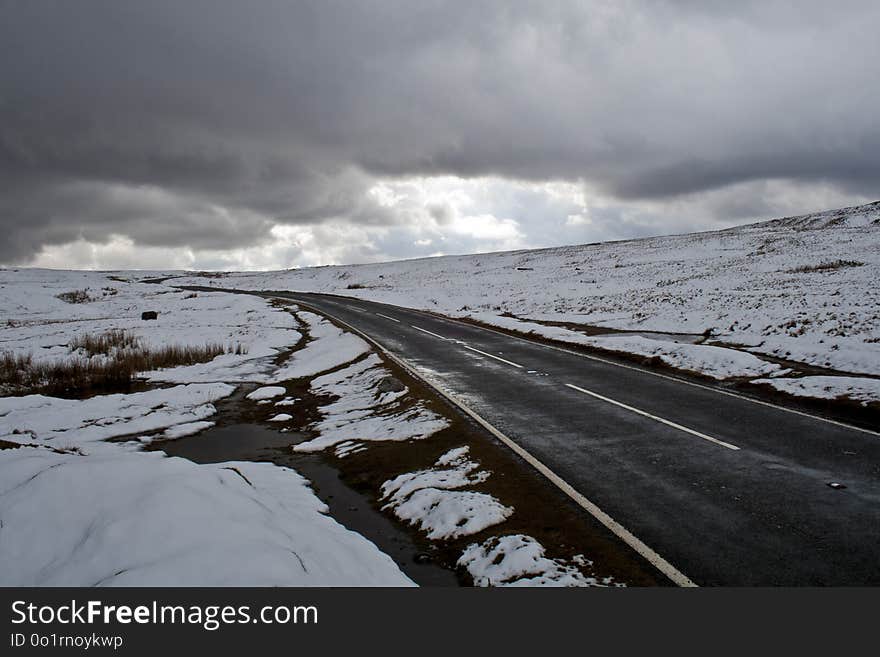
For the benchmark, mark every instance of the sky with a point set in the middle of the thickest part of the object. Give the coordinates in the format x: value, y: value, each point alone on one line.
x: 219, y: 134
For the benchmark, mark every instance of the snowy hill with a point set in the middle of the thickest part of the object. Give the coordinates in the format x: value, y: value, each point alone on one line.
x: 798, y: 290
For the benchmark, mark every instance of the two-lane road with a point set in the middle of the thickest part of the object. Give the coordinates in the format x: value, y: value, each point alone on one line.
x: 726, y: 489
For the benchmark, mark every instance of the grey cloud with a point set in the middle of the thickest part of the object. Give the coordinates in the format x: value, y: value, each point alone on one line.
x: 249, y: 114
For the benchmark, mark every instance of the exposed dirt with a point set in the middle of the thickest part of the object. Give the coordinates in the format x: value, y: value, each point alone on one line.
x: 351, y: 485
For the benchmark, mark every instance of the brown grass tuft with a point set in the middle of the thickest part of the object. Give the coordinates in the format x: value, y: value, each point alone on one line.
x: 102, y: 362
x: 75, y: 296
x: 825, y: 266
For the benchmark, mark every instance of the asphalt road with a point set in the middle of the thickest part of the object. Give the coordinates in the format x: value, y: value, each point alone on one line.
x: 728, y: 490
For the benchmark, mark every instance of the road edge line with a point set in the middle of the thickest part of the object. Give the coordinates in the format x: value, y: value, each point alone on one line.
x: 650, y: 555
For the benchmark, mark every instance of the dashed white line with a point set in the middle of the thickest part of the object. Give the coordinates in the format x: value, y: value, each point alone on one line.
x: 669, y: 423
x: 417, y: 328
x: 693, y: 384
x: 619, y: 530
x: 503, y: 360
x: 387, y: 317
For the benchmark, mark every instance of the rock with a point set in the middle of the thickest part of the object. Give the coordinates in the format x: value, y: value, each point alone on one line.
x: 390, y: 384
x: 149, y: 314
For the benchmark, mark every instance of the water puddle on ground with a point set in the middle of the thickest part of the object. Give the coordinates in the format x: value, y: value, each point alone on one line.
x: 349, y: 507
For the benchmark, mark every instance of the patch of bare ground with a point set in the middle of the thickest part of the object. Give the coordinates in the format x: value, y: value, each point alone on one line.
x: 540, y: 509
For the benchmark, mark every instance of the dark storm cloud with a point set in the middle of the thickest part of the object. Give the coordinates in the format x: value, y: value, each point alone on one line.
x: 203, y: 123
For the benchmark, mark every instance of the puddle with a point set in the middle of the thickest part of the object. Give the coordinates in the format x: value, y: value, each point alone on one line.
x: 349, y: 507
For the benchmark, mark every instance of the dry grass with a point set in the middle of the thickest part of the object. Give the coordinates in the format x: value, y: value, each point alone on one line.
x: 75, y: 296
x: 104, y: 343
x: 100, y: 363
x: 825, y: 266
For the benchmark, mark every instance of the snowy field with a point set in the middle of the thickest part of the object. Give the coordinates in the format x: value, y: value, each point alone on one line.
x: 802, y: 290
x: 78, y: 510
x: 82, y: 504
x: 789, y: 303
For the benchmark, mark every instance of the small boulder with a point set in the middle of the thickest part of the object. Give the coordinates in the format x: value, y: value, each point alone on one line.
x: 390, y: 384
x: 149, y: 314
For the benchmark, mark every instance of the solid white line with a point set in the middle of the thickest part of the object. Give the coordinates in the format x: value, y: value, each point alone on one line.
x: 674, y: 425
x: 387, y: 317
x: 509, y: 362
x: 676, y: 379
x: 676, y: 576
x: 428, y: 332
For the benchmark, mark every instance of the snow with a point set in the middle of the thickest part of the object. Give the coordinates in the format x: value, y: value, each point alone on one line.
x: 266, y: 392
x: 329, y: 347
x: 38, y: 323
x: 80, y: 509
x: 754, y: 287
x: 187, y: 429
x: 445, y: 514
x: 452, y: 470
x: 519, y: 560
x: 88, y: 423
x: 429, y: 499
x: 715, y: 362
x: 362, y: 413
x: 142, y: 519
x: 858, y: 389
x: 281, y: 417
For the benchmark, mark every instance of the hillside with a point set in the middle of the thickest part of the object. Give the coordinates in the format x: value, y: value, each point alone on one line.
x: 797, y: 291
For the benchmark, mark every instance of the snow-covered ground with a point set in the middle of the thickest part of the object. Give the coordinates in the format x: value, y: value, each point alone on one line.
x: 78, y: 509
x: 364, y: 413
x: 433, y: 498
x: 36, y: 322
x: 81, y: 502
x: 802, y: 289
x: 519, y: 560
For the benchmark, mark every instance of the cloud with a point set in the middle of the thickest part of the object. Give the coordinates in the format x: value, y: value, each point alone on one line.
x: 206, y: 125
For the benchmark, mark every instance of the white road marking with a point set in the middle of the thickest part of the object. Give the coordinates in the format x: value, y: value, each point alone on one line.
x: 676, y: 379
x: 428, y: 332
x: 676, y: 576
x: 669, y: 423
x: 360, y: 310
x: 387, y: 317
x: 503, y: 360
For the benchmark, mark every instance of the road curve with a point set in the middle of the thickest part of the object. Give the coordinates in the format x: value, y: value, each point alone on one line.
x: 728, y: 490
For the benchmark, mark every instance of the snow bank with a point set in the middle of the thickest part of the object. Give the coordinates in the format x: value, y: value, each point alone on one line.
x: 716, y: 362
x: 89, y: 422
x: 329, y: 347
x: 363, y: 413
x: 519, y: 560
x: 858, y: 389
x: 141, y: 519
x: 266, y: 392
x: 429, y: 499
